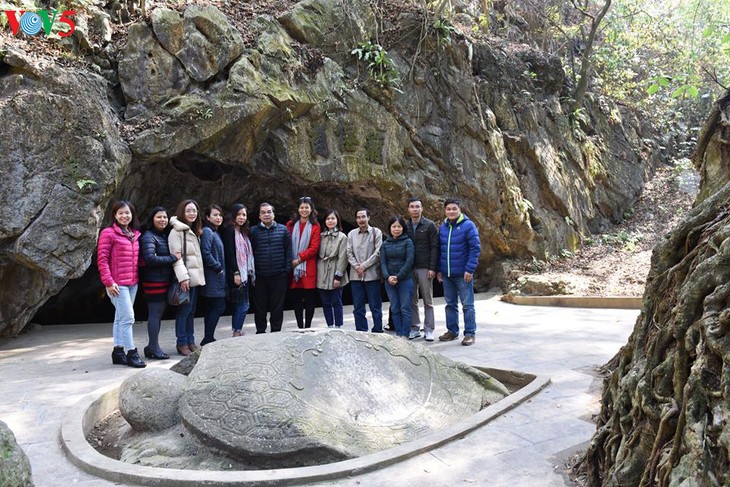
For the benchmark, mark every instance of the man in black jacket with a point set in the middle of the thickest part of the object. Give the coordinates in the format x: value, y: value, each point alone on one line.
x: 272, y: 252
x: 424, y: 234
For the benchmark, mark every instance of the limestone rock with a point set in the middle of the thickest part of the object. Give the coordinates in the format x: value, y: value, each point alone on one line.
x: 204, y: 41
x: 149, y: 399
x: 147, y: 72
x: 169, y: 28
x: 542, y: 286
x: 186, y: 365
x: 292, y: 399
x: 14, y: 464
x: 293, y: 114
x: 63, y: 157
x: 334, y: 27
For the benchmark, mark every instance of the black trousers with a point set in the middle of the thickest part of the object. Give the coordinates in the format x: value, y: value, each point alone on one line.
x: 268, y: 297
x: 305, y: 300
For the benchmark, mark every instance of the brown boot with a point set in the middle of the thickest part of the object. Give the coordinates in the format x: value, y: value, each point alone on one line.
x: 183, y: 350
x: 448, y: 336
x: 192, y: 346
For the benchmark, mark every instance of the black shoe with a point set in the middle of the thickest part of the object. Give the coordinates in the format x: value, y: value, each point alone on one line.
x: 148, y: 353
x: 118, y: 356
x: 389, y: 327
x: 133, y: 359
x: 205, y: 341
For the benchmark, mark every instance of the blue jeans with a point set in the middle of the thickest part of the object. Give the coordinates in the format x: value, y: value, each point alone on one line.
x: 369, y: 291
x: 239, y: 315
x: 123, y: 316
x: 185, y: 319
x: 332, y: 306
x: 214, y: 308
x: 400, y: 297
x: 455, y: 289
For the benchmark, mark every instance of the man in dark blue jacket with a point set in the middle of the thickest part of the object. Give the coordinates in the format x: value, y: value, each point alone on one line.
x: 272, y: 252
x: 460, y: 249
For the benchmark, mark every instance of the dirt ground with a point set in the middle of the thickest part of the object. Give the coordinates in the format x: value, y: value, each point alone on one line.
x: 616, y: 263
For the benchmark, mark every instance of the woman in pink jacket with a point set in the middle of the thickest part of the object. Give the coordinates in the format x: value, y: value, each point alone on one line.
x: 118, y: 253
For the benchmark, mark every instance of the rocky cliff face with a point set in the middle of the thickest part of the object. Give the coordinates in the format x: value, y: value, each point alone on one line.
x: 62, y: 161
x: 284, y: 110
x: 665, y: 407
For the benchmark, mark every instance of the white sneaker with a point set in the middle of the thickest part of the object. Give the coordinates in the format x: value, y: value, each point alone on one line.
x: 429, y: 336
x: 414, y: 334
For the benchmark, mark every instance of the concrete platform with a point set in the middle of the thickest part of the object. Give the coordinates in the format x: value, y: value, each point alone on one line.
x: 49, y: 369
x: 616, y: 302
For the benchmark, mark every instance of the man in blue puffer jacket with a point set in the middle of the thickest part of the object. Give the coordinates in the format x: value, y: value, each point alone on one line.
x: 460, y: 249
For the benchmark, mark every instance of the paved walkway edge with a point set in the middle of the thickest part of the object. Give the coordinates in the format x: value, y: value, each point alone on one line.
x: 608, y: 302
x: 96, y: 406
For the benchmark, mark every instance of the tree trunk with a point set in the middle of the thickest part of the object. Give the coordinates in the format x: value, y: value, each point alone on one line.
x: 585, y: 65
x: 666, y: 406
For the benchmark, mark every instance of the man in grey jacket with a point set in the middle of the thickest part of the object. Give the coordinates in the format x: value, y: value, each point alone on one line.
x: 425, y: 238
x: 363, y: 253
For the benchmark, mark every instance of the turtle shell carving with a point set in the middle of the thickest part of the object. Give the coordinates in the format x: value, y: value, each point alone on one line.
x: 325, y: 395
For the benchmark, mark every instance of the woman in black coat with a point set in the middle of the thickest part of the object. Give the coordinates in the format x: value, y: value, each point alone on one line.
x: 239, y: 265
x: 157, y: 276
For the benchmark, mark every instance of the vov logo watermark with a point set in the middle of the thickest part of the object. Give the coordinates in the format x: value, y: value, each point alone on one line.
x: 31, y: 23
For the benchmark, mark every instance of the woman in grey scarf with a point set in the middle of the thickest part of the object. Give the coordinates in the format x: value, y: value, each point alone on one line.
x: 305, y: 235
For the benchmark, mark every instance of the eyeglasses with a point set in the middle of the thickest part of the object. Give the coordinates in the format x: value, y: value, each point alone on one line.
x: 305, y: 199
x: 266, y: 212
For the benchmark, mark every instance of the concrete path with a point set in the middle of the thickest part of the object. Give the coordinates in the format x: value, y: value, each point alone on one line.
x: 47, y: 370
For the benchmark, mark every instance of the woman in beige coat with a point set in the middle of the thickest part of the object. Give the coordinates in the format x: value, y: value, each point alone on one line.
x: 332, y: 269
x: 187, y: 227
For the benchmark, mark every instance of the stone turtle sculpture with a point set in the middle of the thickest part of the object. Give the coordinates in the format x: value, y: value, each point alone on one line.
x: 305, y: 398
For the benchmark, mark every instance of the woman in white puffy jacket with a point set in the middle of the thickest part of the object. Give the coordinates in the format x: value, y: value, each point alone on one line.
x: 187, y: 227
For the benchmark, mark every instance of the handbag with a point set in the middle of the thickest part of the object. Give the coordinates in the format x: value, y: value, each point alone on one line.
x: 175, y: 295
x: 237, y: 294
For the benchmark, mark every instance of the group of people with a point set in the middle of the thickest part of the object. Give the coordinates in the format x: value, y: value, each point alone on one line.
x: 225, y: 260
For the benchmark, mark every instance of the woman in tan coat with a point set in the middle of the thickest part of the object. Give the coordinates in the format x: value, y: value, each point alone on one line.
x: 332, y: 269
x: 187, y: 227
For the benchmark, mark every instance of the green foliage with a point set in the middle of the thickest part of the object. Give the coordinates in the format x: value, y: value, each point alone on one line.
x: 669, y: 57
x: 482, y: 24
x: 380, y: 66
x: 623, y: 240
x: 443, y: 29
x: 666, y: 55
x: 74, y: 174
x: 85, y: 184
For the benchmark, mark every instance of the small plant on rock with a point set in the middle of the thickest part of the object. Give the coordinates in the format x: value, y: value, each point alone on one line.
x: 380, y: 66
x: 443, y: 29
x: 86, y: 185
